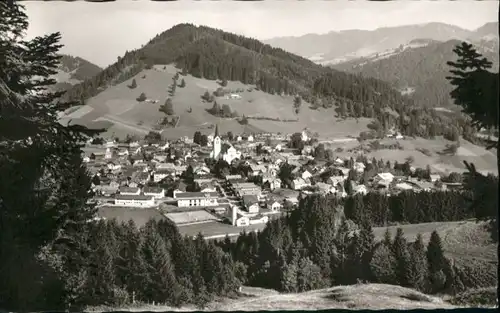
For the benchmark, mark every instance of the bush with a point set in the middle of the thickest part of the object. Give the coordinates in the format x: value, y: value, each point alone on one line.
x: 142, y: 97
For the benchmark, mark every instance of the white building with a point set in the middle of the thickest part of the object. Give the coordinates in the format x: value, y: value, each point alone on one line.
x: 274, y: 206
x: 304, y: 135
x: 299, y: 183
x: 134, y: 201
x: 190, y: 199
x: 231, y: 154
x: 161, y: 174
x: 158, y: 193
x: 130, y: 191
x: 251, y: 202
x: 108, y: 154
x: 217, y: 146
x: 359, y: 167
x: 250, y: 138
x: 306, y: 175
x: 114, y: 167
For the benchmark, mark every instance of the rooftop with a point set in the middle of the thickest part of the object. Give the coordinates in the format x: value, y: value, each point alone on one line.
x: 133, y: 197
x: 191, y: 195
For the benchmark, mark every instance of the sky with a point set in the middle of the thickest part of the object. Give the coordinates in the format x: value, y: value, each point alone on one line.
x: 100, y: 32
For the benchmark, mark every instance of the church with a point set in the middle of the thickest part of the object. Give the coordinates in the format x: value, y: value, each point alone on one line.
x: 229, y: 155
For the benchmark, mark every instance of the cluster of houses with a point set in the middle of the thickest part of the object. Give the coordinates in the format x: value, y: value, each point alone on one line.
x: 132, y: 175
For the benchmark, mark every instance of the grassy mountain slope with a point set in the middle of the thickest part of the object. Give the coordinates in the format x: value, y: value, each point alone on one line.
x: 419, y: 68
x: 74, y: 70
x: 117, y: 107
x: 207, y: 54
x: 335, y: 47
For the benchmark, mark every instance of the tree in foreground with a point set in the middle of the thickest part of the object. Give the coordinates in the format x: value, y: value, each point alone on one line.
x: 44, y: 186
x: 476, y: 91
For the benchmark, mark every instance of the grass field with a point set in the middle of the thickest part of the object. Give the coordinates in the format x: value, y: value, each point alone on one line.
x: 367, y: 296
x: 190, y: 217
x: 484, y: 160
x: 461, y: 240
x: 118, y: 104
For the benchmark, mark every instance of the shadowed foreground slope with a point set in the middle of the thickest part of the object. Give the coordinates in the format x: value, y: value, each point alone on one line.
x: 368, y: 296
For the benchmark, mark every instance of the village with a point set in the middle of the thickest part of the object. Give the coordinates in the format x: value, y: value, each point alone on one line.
x: 232, y: 183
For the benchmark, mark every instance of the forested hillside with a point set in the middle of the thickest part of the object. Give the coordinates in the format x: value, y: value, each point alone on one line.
x: 420, y: 70
x: 215, y: 54
x: 74, y: 70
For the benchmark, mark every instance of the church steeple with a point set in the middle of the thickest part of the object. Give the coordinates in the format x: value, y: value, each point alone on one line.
x: 216, y: 131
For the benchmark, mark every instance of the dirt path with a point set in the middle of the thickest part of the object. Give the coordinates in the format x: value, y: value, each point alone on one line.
x: 126, y: 124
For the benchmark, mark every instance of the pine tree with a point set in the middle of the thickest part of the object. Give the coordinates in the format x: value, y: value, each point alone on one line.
x: 418, y: 273
x: 367, y: 244
x: 288, y: 275
x: 197, y: 137
x: 216, y: 109
x: 436, y: 263
x: 309, y: 276
x: 162, y: 285
x: 142, y: 97
x: 382, y: 265
x: 168, y: 107
x: 133, y: 85
x: 387, y: 238
x: 402, y: 256
x: 44, y: 185
x: 476, y: 89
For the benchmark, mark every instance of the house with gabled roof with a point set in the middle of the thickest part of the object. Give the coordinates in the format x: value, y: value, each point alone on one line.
x: 129, y: 191
x: 156, y: 192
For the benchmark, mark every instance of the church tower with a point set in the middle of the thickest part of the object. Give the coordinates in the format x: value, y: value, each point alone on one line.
x: 217, y: 144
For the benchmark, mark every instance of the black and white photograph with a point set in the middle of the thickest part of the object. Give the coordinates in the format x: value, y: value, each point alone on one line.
x: 273, y: 155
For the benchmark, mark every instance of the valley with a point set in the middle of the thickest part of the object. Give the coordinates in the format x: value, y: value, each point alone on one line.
x: 201, y: 167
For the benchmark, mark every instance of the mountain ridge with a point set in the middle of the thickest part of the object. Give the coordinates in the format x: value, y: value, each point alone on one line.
x: 73, y: 70
x: 340, y: 46
x: 421, y: 68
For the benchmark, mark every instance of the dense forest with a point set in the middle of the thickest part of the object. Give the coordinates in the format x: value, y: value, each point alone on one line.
x: 315, y: 246
x: 215, y: 54
x: 421, y: 68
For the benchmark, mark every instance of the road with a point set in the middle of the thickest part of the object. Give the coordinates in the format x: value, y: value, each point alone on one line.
x: 124, y: 123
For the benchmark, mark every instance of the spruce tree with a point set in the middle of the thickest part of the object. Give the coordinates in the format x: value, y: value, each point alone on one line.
x: 367, y: 244
x: 418, y: 273
x: 309, y: 275
x: 382, y: 265
x: 288, y: 274
x: 387, y: 238
x: 133, y: 85
x: 476, y: 89
x: 402, y: 256
x: 142, y: 97
x: 162, y: 286
x: 436, y: 263
x: 44, y: 185
x: 168, y: 107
